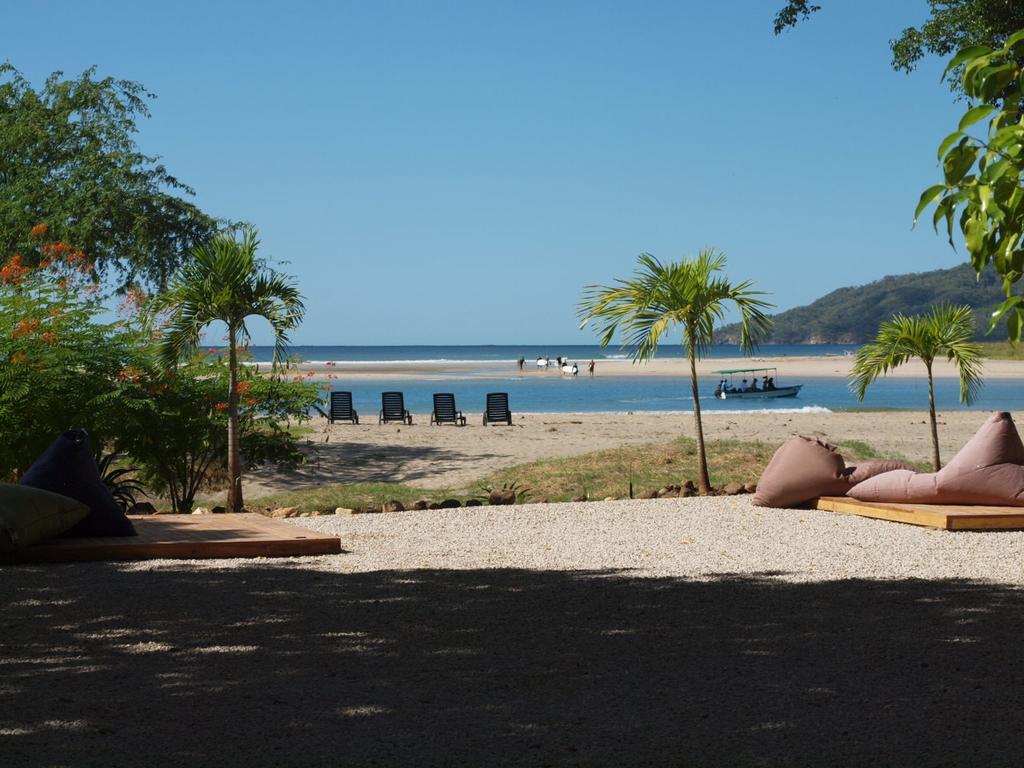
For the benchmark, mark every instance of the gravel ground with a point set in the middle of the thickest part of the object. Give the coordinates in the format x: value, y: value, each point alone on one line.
x: 672, y: 632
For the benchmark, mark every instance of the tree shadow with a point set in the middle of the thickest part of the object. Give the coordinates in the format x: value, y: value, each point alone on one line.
x: 357, y: 462
x: 283, y: 665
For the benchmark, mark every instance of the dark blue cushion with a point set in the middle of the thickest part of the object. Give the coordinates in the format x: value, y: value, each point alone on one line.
x: 68, y: 467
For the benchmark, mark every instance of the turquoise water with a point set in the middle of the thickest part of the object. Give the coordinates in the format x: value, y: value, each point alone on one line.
x: 554, y: 394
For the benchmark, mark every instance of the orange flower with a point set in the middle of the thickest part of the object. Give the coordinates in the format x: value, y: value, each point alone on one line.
x: 25, y: 328
x: 243, y: 388
x: 49, y: 337
x: 19, y: 358
x: 14, y: 271
x: 40, y: 230
x: 221, y: 406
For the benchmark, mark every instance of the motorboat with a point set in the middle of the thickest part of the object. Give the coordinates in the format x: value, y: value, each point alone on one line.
x: 748, y: 388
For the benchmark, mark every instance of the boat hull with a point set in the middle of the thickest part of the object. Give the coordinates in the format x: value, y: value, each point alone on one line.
x: 762, y: 394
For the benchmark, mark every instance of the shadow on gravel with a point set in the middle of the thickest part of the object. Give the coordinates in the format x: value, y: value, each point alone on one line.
x: 276, y: 665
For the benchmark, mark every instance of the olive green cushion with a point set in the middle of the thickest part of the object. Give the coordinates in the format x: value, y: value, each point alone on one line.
x: 28, y: 515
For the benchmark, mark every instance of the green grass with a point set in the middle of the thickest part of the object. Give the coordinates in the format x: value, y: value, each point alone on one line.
x: 1002, y: 350
x: 360, y: 496
x: 596, y: 475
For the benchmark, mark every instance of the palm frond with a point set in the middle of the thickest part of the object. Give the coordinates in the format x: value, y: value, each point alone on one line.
x: 944, y: 331
x: 692, y: 294
x: 224, y: 281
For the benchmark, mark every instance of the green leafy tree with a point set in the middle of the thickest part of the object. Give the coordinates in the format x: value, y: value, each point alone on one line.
x: 175, y: 423
x: 68, y: 157
x: 947, y: 331
x: 59, y: 363
x: 950, y: 26
x: 691, y: 294
x: 981, y: 191
x: 224, y: 282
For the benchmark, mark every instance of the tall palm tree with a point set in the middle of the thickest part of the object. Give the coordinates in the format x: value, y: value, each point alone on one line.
x: 691, y: 294
x: 224, y: 281
x: 945, y: 331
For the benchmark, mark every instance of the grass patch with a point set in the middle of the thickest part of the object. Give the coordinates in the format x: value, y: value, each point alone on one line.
x: 601, y: 474
x: 1002, y: 350
x: 596, y: 475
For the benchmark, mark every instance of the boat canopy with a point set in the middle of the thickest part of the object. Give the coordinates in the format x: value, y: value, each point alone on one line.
x: 730, y: 371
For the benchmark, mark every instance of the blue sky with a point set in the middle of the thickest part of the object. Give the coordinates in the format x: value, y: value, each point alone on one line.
x: 456, y: 172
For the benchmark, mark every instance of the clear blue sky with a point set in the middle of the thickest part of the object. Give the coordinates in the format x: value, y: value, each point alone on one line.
x: 455, y: 172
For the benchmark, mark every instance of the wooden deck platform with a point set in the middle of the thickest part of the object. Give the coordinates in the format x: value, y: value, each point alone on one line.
x: 948, y: 518
x: 187, y: 537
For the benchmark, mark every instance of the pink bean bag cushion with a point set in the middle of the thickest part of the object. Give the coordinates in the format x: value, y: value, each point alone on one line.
x: 804, y: 468
x: 988, y: 470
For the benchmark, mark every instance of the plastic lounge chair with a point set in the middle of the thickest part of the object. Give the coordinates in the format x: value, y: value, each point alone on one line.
x: 445, y: 412
x: 497, y: 409
x: 341, y: 408
x: 392, y: 408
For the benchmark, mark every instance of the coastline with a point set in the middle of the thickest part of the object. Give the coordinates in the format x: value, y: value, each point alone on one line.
x: 789, y: 368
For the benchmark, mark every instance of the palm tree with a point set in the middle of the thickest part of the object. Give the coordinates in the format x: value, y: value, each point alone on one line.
x: 224, y: 281
x: 945, y: 331
x: 688, y: 293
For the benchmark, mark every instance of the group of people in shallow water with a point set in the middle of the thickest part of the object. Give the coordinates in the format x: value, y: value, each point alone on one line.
x: 563, y: 363
x: 725, y: 387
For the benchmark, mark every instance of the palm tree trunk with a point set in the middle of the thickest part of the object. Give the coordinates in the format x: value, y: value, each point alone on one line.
x: 936, y: 462
x: 703, y: 482
x: 235, y: 503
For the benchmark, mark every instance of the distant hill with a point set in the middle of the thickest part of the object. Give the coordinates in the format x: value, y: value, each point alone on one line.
x: 852, y: 315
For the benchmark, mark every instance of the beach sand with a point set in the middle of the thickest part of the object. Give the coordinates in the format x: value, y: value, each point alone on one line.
x: 789, y: 368
x: 452, y: 457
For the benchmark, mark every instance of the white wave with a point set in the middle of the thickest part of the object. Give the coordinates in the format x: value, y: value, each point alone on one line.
x: 805, y: 409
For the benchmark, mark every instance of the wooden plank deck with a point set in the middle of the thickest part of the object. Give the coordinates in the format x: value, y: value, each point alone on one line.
x: 945, y: 517
x: 187, y: 537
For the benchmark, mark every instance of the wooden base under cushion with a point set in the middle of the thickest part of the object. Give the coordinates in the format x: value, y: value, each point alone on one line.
x: 187, y: 537
x: 946, y: 517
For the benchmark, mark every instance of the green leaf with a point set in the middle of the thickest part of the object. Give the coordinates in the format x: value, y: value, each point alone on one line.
x: 974, y: 115
x: 1014, y: 325
x: 964, y: 55
x: 984, y: 195
x: 975, y: 230
x: 1012, y: 40
x: 1002, y: 309
x: 995, y: 81
x: 973, y: 74
x: 958, y: 162
x: 948, y: 142
x: 929, y: 196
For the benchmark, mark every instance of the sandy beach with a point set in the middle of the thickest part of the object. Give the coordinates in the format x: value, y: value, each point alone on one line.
x: 789, y: 367
x: 451, y: 457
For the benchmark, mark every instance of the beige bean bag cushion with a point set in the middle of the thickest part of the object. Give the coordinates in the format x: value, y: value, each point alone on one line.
x: 804, y: 468
x: 988, y: 470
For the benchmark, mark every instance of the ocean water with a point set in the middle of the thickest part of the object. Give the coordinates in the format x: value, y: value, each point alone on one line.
x: 508, y: 353
x: 558, y: 394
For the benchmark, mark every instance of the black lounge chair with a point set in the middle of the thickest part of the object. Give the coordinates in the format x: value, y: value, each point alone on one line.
x: 392, y: 408
x: 497, y: 409
x: 444, y: 410
x: 341, y: 408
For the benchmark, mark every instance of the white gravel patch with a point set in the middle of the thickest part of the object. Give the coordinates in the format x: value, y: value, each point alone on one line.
x: 693, y: 538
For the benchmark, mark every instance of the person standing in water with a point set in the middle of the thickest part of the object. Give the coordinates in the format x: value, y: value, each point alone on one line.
x: 590, y: 368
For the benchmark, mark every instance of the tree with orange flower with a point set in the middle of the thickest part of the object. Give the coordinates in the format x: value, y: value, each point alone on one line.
x: 224, y: 281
